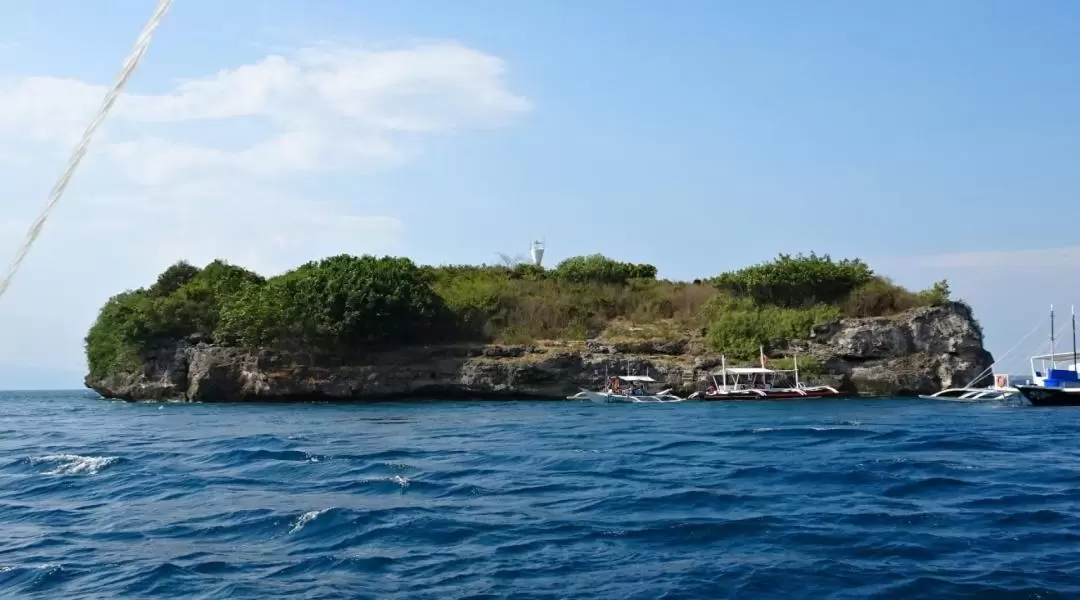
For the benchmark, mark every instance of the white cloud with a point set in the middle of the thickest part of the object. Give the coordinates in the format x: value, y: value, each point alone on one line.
x: 204, y: 170
x: 1034, y: 258
x: 322, y: 108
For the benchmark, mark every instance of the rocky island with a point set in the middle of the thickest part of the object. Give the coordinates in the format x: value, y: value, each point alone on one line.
x: 366, y: 328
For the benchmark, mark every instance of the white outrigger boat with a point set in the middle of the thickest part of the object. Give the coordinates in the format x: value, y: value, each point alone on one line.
x: 1001, y: 390
x: 628, y: 388
x: 759, y: 383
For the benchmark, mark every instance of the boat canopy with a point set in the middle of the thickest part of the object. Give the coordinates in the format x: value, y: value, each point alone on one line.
x: 743, y: 371
x: 1057, y: 357
x: 644, y: 378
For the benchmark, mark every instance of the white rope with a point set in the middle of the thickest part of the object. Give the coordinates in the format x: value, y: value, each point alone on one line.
x: 990, y: 369
x: 58, y: 188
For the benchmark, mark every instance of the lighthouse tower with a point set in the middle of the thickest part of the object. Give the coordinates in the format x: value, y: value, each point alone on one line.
x: 537, y: 252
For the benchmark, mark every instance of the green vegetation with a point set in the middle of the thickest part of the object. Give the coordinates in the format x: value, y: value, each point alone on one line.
x: 786, y: 298
x: 797, y: 282
x: 809, y: 367
x: 185, y: 302
x: 347, y: 303
x: 739, y: 327
x: 335, y: 304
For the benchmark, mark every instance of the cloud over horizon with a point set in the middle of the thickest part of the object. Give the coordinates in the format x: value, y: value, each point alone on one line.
x: 1026, y: 258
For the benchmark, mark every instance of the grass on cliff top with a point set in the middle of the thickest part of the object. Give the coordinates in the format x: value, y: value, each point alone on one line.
x: 345, y: 303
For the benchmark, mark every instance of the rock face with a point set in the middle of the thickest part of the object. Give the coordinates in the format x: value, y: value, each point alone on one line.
x: 919, y: 351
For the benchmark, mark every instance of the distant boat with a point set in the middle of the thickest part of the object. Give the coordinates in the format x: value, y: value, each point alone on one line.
x: 1050, y: 385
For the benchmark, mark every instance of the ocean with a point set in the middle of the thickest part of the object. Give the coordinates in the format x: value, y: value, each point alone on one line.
x: 885, y: 498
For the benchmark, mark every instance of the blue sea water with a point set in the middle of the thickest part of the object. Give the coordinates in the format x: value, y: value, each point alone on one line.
x: 813, y: 499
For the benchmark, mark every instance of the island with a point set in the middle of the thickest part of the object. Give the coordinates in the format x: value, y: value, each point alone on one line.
x: 367, y: 328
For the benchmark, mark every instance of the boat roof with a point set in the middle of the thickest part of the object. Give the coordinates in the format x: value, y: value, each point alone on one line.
x: 635, y: 378
x: 743, y: 371
x: 1058, y: 356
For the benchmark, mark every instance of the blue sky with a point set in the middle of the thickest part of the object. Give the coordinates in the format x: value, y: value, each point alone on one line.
x: 932, y: 139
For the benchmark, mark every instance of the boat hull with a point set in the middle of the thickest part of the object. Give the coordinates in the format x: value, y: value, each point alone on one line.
x: 604, y: 398
x: 973, y: 394
x: 773, y: 394
x: 1044, y: 396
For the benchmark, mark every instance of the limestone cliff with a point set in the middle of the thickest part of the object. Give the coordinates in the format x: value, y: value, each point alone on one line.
x: 918, y: 351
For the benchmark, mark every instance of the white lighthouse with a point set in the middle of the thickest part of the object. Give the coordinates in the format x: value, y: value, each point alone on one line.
x: 537, y: 252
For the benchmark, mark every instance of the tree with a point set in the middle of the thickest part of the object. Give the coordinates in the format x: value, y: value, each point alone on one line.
x: 173, y: 278
x: 938, y: 294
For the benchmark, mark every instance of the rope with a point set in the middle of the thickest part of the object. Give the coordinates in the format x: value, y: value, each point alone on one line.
x: 990, y: 369
x: 132, y: 61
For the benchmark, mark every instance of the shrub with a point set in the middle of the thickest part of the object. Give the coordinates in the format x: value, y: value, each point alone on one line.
x: 494, y: 303
x: 809, y: 367
x: 597, y: 268
x: 339, y: 302
x: 797, y: 281
x: 738, y: 327
x: 879, y: 297
x: 939, y: 294
x: 529, y: 272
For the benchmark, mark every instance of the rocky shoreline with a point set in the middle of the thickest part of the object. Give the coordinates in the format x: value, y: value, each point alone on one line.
x: 918, y: 351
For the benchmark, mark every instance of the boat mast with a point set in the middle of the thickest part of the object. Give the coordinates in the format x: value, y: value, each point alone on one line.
x: 723, y: 370
x: 1073, y: 307
x: 1053, y: 363
x: 796, y: 358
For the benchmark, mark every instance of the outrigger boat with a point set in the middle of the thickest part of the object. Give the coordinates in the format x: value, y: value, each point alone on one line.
x: 1050, y: 385
x: 1001, y: 390
x: 759, y: 383
x: 627, y: 388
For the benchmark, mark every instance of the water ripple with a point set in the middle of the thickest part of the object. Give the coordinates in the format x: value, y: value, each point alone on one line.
x: 846, y: 499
